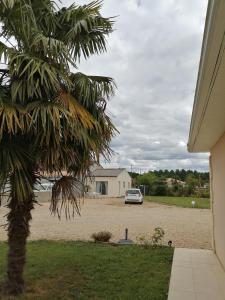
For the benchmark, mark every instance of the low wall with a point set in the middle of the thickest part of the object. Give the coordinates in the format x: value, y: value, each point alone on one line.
x: 43, y: 196
x: 40, y: 196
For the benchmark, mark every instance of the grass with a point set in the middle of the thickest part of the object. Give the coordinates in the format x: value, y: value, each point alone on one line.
x: 179, y: 201
x: 83, y: 270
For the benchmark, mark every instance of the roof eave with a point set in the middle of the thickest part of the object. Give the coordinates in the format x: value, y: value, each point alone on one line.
x: 196, y: 121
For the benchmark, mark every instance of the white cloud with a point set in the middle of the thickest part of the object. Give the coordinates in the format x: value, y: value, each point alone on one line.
x: 153, y: 56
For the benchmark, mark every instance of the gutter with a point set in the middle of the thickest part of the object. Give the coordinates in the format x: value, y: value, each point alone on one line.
x: 212, y: 4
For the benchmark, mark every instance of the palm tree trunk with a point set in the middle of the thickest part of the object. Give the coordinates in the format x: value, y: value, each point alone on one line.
x: 18, y: 231
x: 18, y: 219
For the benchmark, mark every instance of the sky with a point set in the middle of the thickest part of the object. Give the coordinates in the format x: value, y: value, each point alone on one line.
x: 153, y: 55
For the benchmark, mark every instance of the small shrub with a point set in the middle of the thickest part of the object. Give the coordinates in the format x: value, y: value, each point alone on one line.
x: 102, y: 236
x: 144, y: 241
x: 157, y: 236
x: 154, y: 240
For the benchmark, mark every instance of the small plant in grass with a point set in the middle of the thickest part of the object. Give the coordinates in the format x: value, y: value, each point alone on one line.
x: 157, y: 236
x: 154, y: 240
x: 144, y: 241
x: 102, y: 236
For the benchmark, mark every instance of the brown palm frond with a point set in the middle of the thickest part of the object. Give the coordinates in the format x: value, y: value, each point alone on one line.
x: 66, y: 193
x: 76, y: 110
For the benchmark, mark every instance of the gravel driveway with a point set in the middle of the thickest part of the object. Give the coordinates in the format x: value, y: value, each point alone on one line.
x: 186, y: 227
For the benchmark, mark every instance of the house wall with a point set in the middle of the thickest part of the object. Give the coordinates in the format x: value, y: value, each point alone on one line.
x: 217, y: 162
x: 124, y: 182
x: 112, y: 191
x: 117, y: 186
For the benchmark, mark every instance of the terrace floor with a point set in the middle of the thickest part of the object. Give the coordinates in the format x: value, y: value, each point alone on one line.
x: 196, y: 275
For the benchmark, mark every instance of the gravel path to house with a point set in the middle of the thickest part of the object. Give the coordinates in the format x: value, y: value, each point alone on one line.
x: 186, y: 227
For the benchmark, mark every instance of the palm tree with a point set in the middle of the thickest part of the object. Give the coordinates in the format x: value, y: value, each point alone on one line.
x: 51, y: 119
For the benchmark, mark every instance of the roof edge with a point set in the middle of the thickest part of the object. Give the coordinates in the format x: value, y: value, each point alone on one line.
x: 211, y: 11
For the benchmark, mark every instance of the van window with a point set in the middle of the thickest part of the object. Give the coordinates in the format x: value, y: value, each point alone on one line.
x: 133, y: 192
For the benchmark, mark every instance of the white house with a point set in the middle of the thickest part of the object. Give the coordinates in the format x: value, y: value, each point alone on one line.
x: 109, y: 182
x: 207, y: 131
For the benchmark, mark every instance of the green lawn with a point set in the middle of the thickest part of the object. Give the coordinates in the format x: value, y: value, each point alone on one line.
x: 82, y: 270
x: 179, y: 201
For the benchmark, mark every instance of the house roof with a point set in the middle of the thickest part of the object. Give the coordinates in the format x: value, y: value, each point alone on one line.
x: 107, y: 172
x: 208, y: 121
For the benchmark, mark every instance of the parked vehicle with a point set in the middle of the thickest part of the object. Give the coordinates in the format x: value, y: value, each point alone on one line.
x: 133, y: 196
x: 44, y: 186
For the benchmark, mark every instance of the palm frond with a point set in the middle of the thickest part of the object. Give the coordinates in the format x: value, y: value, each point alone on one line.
x: 8, y: 4
x: 59, y: 121
x: 65, y: 197
x: 84, y: 29
x: 76, y: 110
x: 14, y: 118
x: 52, y: 48
x: 45, y: 15
x: 90, y: 89
x: 18, y: 19
x: 33, y: 77
x: 15, y: 158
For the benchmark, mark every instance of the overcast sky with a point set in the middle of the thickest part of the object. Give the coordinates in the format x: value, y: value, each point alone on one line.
x: 153, y: 55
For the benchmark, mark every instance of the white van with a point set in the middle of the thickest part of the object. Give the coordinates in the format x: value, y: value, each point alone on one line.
x: 133, y: 196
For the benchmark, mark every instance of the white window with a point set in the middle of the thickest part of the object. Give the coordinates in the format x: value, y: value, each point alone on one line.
x: 124, y: 184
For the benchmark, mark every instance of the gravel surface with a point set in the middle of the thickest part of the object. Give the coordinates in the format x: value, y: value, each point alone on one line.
x: 186, y: 227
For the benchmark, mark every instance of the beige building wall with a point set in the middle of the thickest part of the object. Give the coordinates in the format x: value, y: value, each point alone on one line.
x: 218, y: 197
x: 112, y: 187
x: 124, y: 182
x: 117, y: 186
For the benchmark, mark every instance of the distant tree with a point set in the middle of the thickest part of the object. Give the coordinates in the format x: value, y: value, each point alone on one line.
x: 133, y: 174
x: 147, y: 179
x: 192, y: 183
x: 192, y: 178
x: 182, y: 175
x: 161, y: 189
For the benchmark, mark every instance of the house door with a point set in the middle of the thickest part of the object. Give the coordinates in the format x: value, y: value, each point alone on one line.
x: 102, y: 187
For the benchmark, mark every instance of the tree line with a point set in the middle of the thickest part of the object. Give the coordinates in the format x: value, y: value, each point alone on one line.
x: 185, y: 183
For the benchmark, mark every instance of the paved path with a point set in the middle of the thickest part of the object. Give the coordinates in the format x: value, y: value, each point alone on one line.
x: 196, y: 275
x: 186, y: 227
